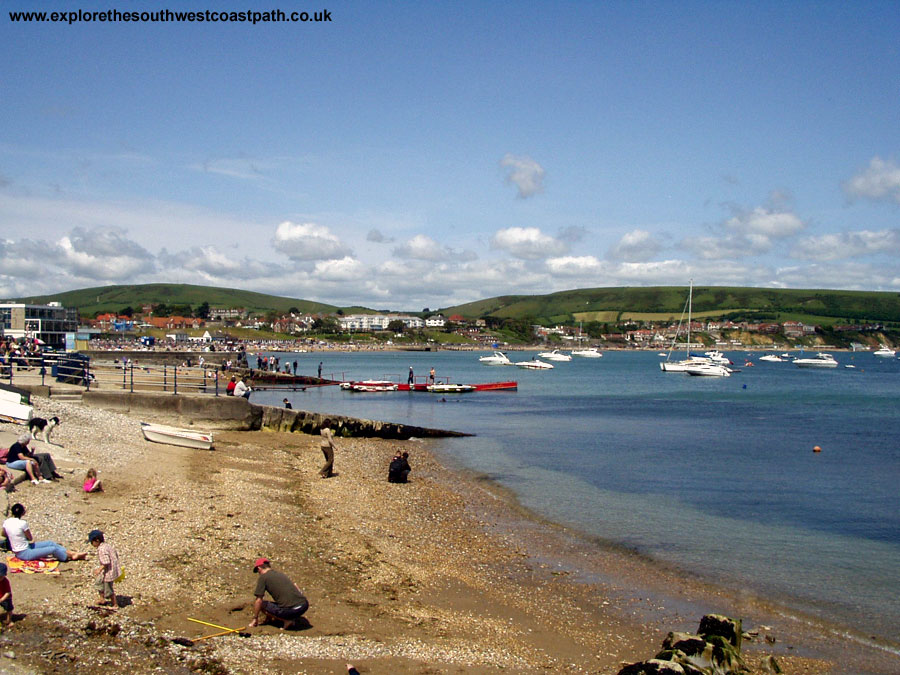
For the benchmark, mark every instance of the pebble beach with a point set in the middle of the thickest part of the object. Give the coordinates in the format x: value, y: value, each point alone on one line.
x: 441, y: 575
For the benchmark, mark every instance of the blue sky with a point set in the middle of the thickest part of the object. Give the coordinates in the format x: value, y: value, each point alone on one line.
x: 407, y: 155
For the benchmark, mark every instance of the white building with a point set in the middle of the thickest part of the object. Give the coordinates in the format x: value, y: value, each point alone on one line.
x: 373, y: 322
x: 436, y: 321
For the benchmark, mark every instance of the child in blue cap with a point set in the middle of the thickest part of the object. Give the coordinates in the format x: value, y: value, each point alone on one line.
x: 6, y: 602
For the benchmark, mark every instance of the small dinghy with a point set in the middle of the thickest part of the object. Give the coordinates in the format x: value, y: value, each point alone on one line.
x: 186, y: 438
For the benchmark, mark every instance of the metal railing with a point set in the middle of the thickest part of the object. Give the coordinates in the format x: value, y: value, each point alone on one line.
x: 75, y: 369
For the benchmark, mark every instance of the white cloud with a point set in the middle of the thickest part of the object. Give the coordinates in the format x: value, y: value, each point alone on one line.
x: 525, y: 173
x: 345, y: 269
x: 766, y: 222
x: 307, y: 241
x: 730, y: 247
x: 842, y: 245
x: 422, y: 247
x: 528, y: 243
x: 637, y: 245
x: 879, y: 181
x: 573, y: 266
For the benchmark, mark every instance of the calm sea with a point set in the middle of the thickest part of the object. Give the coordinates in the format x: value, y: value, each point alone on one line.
x: 714, y: 475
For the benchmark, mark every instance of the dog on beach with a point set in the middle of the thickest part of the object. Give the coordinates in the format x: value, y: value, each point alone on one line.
x: 39, y: 426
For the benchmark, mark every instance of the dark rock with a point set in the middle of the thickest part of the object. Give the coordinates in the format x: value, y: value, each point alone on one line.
x: 716, y: 624
x: 653, y: 667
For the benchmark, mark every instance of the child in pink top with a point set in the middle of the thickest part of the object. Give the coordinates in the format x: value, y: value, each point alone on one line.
x: 91, y: 484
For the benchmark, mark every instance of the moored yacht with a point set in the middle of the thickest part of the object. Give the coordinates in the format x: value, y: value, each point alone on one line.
x: 588, y: 353
x: 555, y: 355
x: 496, y: 359
x: 821, y: 360
x: 885, y: 352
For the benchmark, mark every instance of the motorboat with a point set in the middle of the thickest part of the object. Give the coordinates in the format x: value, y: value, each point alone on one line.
x: 588, y: 353
x: 772, y: 358
x: 496, y: 359
x: 821, y: 360
x: 447, y: 388
x: 534, y: 364
x: 885, y: 352
x: 186, y: 438
x: 718, y: 357
x: 374, y: 385
x: 555, y: 355
x: 708, y: 370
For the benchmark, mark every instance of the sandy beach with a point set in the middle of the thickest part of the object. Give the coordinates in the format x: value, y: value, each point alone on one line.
x: 442, y: 575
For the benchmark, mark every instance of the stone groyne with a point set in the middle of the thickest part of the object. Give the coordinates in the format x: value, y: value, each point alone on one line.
x: 238, y: 414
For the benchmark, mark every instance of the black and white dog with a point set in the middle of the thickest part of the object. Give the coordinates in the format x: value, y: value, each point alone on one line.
x: 39, y: 425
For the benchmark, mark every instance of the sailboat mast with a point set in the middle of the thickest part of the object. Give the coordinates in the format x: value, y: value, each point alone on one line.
x: 690, y: 309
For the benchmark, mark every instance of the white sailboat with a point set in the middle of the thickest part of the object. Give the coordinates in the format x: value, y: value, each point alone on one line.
x: 689, y: 360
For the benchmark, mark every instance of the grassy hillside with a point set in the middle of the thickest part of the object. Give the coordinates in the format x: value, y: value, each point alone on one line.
x: 669, y: 300
x: 113, y: 298
x: 589, y: 304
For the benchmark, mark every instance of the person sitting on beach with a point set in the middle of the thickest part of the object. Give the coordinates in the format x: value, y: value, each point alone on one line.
x: 46, y: 465
x: 91, y: 483
x: 23, y: 545
x: 21, y: 458
x: 398, y: 470
x: 241, y: 389
x: 289, y: 602
x: 229, y: 388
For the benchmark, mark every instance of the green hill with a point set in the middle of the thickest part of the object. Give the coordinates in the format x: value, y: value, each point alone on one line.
x: 89, y: 301
x: 766, y: 303
x: 588, y: 304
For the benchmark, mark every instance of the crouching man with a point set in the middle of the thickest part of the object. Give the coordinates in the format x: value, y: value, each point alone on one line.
x: 289, y: 602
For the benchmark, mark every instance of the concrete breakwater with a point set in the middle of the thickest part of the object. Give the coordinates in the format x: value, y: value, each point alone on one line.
x: 238, y: 414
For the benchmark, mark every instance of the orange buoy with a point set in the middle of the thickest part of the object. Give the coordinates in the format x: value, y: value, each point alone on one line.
x: 816, y: 448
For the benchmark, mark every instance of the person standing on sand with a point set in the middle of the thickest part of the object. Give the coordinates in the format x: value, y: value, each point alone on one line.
x: 108, y: 571
x: 327, y: 470
x: 290, y: 603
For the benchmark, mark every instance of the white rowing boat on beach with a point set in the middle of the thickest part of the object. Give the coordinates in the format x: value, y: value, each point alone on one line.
x: 18, y: 413
x: 186, y: 438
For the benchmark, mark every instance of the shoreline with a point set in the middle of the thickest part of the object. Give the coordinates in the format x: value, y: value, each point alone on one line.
x: 626, y: 570
x: 447, y: 573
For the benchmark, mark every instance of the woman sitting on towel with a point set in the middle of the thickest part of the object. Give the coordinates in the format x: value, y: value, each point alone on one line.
x: 23, y: 545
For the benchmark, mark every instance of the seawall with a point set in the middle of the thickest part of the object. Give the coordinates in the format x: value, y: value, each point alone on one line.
x: 239, y: 414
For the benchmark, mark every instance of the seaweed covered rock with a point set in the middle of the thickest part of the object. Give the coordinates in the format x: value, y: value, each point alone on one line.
x: 653, y: 667
x: 716, y: 624
x: 715, y: 650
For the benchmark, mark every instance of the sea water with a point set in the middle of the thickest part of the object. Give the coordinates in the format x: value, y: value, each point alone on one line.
x: 713, y: 475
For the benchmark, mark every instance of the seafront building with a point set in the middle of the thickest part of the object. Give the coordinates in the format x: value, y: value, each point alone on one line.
x: 47, y: 323
x: 372, y: 322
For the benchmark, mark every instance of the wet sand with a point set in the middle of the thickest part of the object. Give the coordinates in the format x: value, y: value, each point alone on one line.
x: 445, y: 574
